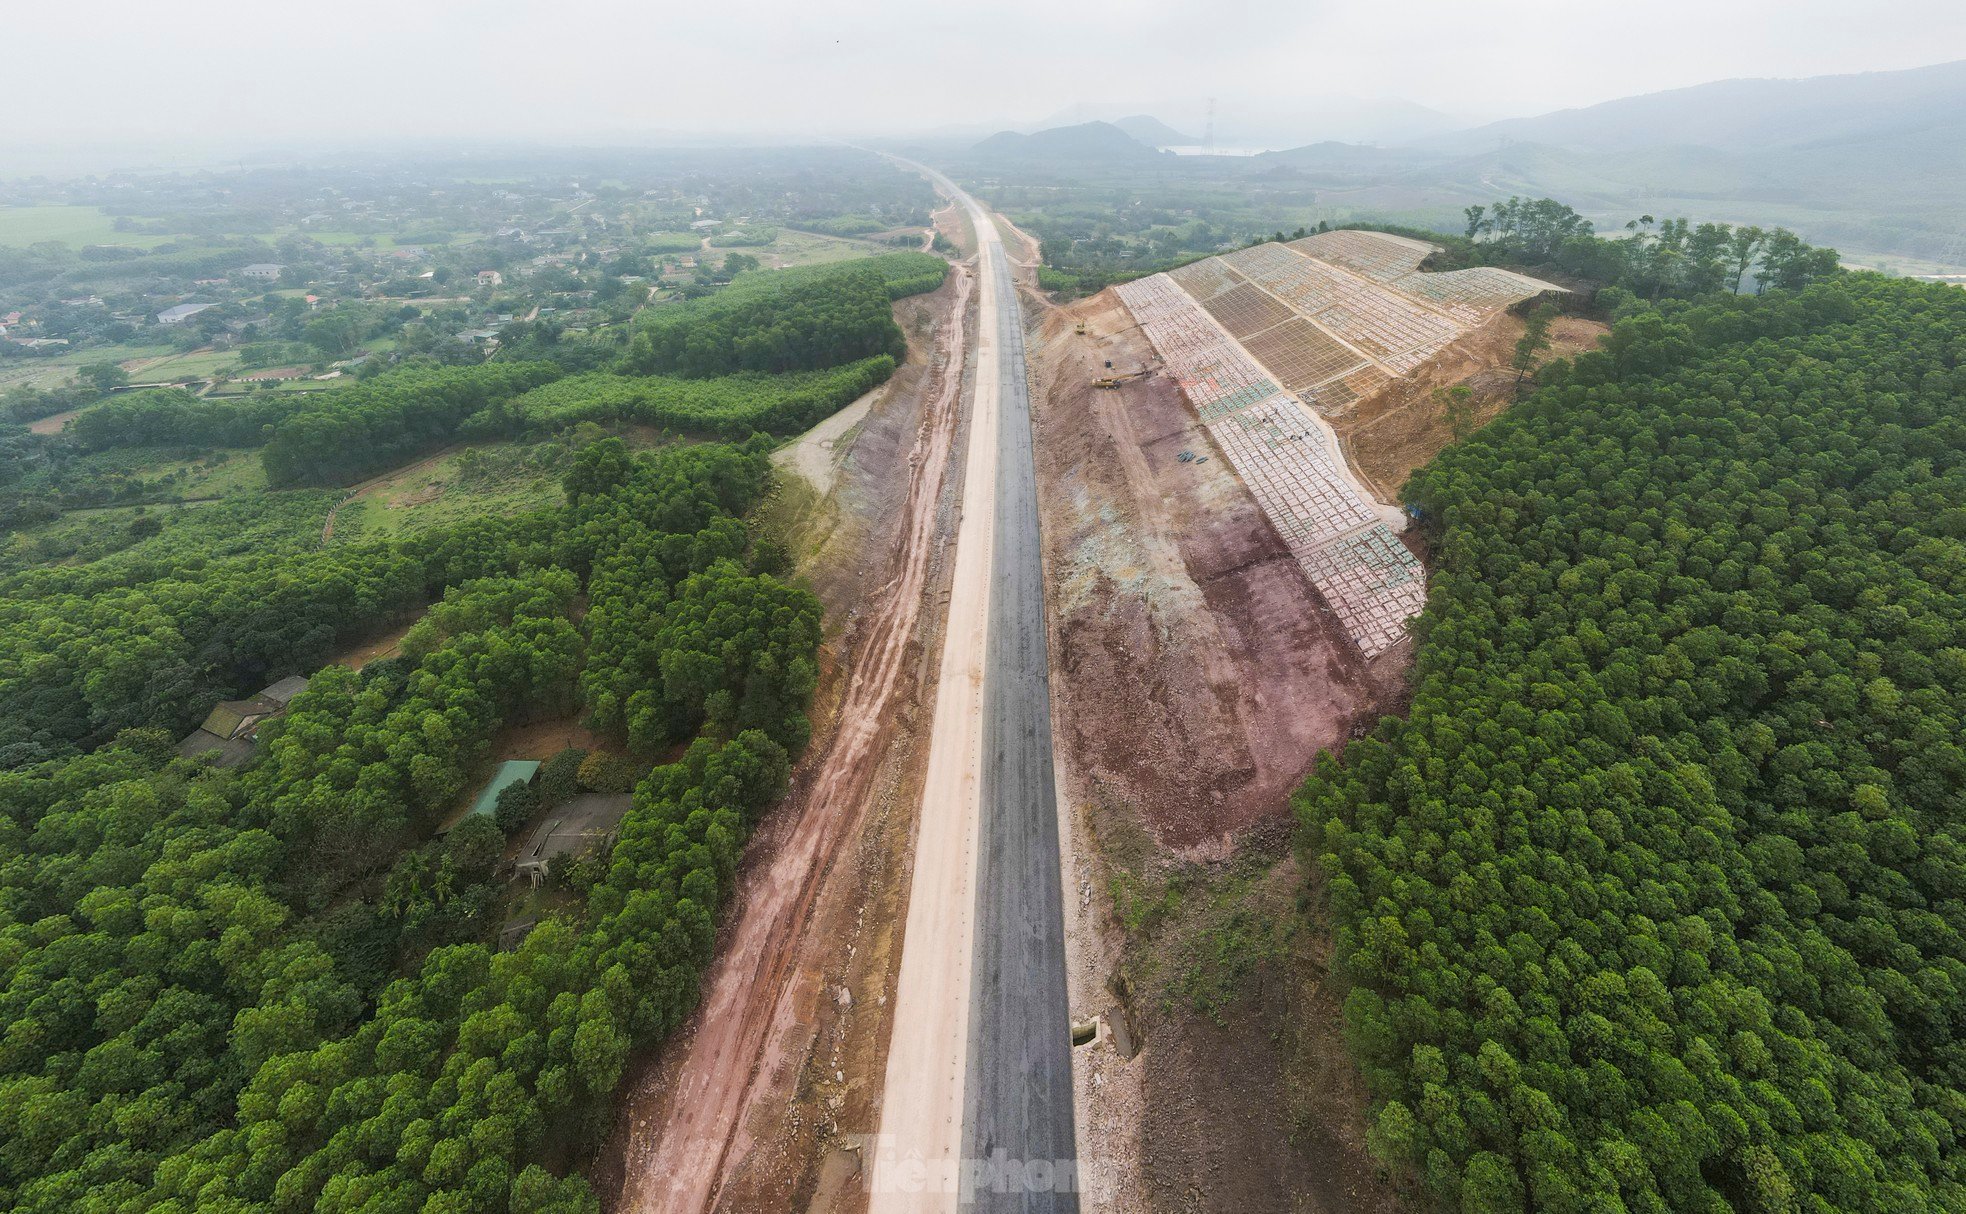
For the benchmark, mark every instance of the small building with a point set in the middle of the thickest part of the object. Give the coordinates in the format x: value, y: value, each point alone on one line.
x: 181, y: 313
x: 490, y: 278
x: 581, y: 826
x: 264, y: 271
x: 510, y: 772
x: 232, y: 727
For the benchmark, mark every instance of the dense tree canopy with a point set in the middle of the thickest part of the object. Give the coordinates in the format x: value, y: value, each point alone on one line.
x: 275, y: 987
x: 805, y: 319
x: 258, y: 991
x: 315, y: 438
x: 1658, y: 899
x: 731, y: 406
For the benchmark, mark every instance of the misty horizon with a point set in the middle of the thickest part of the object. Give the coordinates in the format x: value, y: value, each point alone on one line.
x: 224, y: 79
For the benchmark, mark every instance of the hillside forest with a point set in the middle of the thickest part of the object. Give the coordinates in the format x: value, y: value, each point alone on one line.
x: 1656, y: 898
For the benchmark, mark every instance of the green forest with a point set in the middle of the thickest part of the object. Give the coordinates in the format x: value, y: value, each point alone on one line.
x: 774, y: 351
x: 275, y: 987
x: 1656, y: 899
x: 262, y: 989
x: 805, y: 319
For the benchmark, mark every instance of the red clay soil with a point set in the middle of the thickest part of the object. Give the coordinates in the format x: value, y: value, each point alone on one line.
x: 1196, y: 675
x: 725, y: 1117
x: 1197, y: 671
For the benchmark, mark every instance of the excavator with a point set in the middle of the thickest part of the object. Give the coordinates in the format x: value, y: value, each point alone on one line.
x: 1113, y: 380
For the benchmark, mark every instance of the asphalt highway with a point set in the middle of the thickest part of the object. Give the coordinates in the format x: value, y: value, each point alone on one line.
x: 1017, y: 1108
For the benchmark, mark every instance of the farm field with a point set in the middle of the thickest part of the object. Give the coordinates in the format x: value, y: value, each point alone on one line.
x: 804, y: 249
x: 74, y: 226
x: 47, y: 372
x: 190, y: 363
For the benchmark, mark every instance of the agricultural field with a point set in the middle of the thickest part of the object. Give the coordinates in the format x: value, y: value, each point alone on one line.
x: 187, y: 365
x: 792, y: 248
x: 48, y: 372
x: 73, y: 226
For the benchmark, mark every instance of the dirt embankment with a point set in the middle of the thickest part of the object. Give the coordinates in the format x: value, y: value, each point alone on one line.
x: 1409, y: 421
x: 743, y: 1109
x: 1195, y: 680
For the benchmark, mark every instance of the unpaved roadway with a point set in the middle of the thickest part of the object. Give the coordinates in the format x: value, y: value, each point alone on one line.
x: 691, y: 1131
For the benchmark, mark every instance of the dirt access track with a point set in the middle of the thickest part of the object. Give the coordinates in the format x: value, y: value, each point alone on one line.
x: 739, y: 1110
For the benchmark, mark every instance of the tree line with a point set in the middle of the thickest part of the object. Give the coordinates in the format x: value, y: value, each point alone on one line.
x: 730, y: 406
x: 805, y: 319
x: 1654, y: 258
x: 1654, y: 900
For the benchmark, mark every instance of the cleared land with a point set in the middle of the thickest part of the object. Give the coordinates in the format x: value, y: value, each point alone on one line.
x: 73, y: 226
x: 498, y: 478
x: 1277, y: 446
x: 742, y: 1111
x: 1197, y: 679
x: 1331, y: 319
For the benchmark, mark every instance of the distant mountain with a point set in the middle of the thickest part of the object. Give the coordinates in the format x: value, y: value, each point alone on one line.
x: 1332, y: 156
x: 1873, y: 162
x: 1742, y: 115
x: 1087, y: 142
x: 1244, y: 121
x: 1329, y: 119
x: 1153, y: 132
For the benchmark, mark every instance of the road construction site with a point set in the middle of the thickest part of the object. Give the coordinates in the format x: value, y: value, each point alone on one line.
x: 1103, y: 580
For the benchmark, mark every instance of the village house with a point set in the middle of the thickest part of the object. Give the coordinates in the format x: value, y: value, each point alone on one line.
x: 232, y: 727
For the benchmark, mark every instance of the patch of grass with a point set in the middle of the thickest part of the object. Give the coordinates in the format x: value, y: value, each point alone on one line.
x: 196, y: 362
x: 72, y: 226
x: 494, y: 478
x: 1236, y: 941
x: 807, y: 248
x: 1214, y: 940
x: 52, y: 371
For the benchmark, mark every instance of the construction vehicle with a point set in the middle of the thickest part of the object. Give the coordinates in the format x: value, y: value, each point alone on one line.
x: 1079, y: 328
x: 1114, y: 381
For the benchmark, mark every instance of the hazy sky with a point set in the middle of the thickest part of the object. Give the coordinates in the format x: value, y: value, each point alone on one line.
x: 235, y: 73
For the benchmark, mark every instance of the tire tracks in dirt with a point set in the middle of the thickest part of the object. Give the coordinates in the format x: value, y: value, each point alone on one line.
x: 688, y: 1127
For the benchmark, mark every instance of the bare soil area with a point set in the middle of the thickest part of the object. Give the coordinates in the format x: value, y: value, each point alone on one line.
x: 1197, y: 672
x: 742, y: 1111
x: 1405, y: 424
x: 1196, y: 677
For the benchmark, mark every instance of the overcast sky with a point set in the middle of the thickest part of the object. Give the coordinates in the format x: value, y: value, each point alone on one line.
x: 233, y: 72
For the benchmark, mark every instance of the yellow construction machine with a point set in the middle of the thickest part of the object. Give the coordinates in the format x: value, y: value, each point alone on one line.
x: 1114, y: 381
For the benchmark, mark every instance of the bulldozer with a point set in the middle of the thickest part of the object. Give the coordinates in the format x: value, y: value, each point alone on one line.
x: 1079, y: 328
